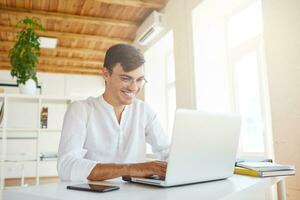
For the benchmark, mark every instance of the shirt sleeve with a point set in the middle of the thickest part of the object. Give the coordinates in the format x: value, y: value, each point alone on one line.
x: 71, y: 165
x: 156, y: 136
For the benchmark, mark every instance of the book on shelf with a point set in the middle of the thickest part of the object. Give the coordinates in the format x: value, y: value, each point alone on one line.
x: 47, y: 156
x: 263, y: 169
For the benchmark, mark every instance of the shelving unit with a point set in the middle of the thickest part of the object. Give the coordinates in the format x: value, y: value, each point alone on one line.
x: 20, y: 126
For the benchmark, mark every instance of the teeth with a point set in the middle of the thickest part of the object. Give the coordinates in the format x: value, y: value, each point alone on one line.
x: 130, y: 94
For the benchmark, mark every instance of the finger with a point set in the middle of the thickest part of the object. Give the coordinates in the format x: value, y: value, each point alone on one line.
x: 161, y: 163
x: 161, y: 171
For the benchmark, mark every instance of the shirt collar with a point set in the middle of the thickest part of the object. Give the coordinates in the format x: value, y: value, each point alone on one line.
x: 110, y: 108
x: 108, y: 105
x: 105, y: 103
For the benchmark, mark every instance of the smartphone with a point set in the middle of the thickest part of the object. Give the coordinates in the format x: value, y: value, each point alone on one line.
x: 93, y: 187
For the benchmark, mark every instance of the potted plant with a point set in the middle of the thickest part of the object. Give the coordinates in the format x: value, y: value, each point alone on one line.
x: 24, y: 56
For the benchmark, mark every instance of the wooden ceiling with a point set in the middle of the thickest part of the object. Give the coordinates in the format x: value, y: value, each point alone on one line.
x: 85, y: 29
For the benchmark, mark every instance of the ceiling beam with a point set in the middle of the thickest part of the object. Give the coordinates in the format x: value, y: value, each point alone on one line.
x: 63, y: 71
x: 41, y: 65
x: 134, y: 3
x: 59, y: 71
x: 73, y: 60
x: 98, y: 63
x: 52, y: 69
x: 68, y: 17
x: 81, y: 51
x: 76, y: 36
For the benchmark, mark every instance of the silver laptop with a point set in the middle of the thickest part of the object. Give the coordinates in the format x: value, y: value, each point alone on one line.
x: 203, y: 148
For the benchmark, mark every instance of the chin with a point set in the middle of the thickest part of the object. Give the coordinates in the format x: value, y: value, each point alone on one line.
x: 127, y: 101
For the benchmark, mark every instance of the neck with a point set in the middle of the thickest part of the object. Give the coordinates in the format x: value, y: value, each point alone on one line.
x: 118, y: 108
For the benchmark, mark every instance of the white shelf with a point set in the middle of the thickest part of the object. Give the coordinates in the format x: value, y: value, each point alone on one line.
x: 18, y: 161
x: 36, y: 97
x: 21, y: 130
x: 54, y: 160
x: 31, y: 130
x: 28, y: 160
x: 25, y: 110
x: 19, y: 136
x: 49, y: 130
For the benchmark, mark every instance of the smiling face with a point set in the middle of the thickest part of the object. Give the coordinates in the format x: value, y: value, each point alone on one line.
x: 122, y: 87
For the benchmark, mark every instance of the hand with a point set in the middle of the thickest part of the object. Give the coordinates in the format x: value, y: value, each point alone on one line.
x: 147, y: 169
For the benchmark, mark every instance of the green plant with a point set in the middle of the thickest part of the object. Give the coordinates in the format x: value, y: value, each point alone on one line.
x: 24, y: 56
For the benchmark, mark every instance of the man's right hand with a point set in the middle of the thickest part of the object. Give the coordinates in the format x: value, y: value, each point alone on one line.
x: 147, y: 169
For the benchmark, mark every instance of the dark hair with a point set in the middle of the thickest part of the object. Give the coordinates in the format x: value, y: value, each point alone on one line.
x: 127, y: 55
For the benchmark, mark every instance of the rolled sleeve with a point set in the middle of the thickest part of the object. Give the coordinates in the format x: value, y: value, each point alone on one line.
x: 73, y: 168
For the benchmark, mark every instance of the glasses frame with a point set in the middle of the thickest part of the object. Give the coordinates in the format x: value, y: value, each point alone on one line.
x: 128, y: 80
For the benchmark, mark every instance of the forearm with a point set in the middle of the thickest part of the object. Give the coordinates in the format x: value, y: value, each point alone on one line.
x: 108, y: 171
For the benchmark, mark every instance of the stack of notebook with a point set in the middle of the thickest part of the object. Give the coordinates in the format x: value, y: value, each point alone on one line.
x: 263, y: 169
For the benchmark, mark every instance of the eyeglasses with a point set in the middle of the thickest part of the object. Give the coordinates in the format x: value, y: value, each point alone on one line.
x: 126, y: 80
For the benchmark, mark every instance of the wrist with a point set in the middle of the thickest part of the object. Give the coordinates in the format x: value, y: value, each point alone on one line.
x: 127, y: 169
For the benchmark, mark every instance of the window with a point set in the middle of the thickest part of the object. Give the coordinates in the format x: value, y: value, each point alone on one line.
x: 230, y: 68
x: 170, y: 90
x: 249, y: 102
x: 210, y: 62
x: 160, y: 91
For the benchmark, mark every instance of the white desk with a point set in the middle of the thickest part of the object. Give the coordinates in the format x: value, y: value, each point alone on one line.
x: 234, y: 188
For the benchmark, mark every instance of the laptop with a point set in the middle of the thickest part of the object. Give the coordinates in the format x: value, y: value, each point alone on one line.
x: 203, y: 148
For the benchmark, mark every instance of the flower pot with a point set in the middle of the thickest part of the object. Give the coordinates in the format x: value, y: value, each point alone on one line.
x: 28, y: 88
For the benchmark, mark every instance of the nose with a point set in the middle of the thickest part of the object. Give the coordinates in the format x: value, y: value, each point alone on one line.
x: 133, y: 86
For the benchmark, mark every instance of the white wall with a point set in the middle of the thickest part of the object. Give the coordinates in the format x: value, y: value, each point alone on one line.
x: 282, y: 42
x: 178, y: 18
x: 64, y: 84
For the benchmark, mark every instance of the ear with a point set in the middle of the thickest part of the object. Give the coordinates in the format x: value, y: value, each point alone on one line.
x: 105, y: 73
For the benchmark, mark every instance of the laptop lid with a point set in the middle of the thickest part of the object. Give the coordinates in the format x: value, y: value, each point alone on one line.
x: 204, y: 147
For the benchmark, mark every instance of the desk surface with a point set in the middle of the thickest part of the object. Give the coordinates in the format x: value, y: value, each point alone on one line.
x: 233, y: 188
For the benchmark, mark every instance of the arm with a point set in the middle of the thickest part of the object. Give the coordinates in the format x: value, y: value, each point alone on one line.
x: 156, y: 136
x: 71, y: 163
x: 109, y: 171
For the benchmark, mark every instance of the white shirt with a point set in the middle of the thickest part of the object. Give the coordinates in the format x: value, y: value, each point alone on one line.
x: 91, y: 134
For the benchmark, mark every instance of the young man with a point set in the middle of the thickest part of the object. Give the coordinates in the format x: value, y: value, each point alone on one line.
x: 105, y: 137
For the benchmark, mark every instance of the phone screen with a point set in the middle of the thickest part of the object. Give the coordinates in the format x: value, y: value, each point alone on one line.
x: 93, y: 187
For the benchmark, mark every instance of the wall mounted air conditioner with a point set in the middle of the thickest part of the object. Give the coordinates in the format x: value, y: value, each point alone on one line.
x: 150, y: 28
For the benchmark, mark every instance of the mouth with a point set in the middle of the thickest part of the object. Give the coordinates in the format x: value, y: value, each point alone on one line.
x: 128, y: 94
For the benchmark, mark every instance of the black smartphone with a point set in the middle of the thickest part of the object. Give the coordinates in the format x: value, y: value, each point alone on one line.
x: 93, y: 187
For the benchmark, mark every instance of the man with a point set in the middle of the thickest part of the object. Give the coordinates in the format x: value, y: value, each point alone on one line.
x: 105, y: 137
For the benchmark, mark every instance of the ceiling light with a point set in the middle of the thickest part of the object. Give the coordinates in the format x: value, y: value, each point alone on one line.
x: 48, y: 42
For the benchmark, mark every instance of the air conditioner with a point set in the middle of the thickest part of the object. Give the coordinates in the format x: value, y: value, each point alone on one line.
x: 150, y: 28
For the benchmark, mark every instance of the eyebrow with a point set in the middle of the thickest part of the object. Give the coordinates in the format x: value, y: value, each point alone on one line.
x: 127, y: 76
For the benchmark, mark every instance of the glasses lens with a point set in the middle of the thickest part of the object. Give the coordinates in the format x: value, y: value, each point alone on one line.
x: 141, y: 83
